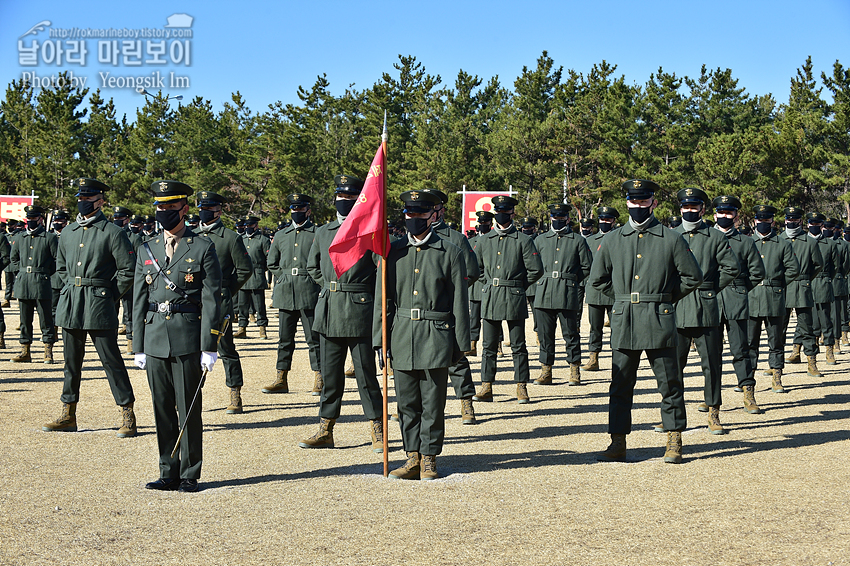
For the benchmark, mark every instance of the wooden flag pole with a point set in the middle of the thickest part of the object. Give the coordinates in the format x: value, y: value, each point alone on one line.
x: 383, y: 217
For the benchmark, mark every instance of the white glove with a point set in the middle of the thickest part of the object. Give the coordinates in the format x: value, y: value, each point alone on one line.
x: 140, y: 360
x: 208, y: 360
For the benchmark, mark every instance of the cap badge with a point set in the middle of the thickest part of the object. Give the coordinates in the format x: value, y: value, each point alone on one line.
x: 163, y: 186
x: 343, y: 179
x: 636, y: 183
x: 414, y: 195
x: 689, y: 192
x: 82, y: 182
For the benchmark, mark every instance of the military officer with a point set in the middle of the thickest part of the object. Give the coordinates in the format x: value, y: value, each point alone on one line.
x: 5, y: 260
x: 587, y: 225
x: 646, y: 269
x: 295, y: 293
x: 822, y: 324
x: 236, y: 268
x: 59, y: 222
x: 121, y: 218
x: 95, y: 261
x: 137, y: 221
x: 427, y: 288
x: 177, y: 309
x: 832, y: 229
x: 485, y: 224
x: 34, y: 258
x: 799, y: 294
x: 598, y: 304
x: 240, y: 226
x: 674, y: 221
x: 253, y: 291
x: 344, y: 323
x: 149, y: 230
x: 12, y: 229
x: 566, y: 263
x: 734, y: 306
x: 528, y: 226
x: 192, y: 221
x: 767, y: 301
x: 509, y: 264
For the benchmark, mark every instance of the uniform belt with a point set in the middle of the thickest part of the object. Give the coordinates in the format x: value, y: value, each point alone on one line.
x: 802, y: 278
x: 506, y: 283
x: 299, y: 271
x: 822, y: 276
x: 707, y: 286
x: 741, y: 282
x: 772, y: 282
x: 560, y: 275
x: 635, y: 298
x: 31, y: 270
x: 168, y: 308
x: 90, y: 282
x: 336, y: 286
x: 419, y: 314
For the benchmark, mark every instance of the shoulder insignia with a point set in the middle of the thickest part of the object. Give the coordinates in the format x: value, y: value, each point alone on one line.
x: 188, y: 240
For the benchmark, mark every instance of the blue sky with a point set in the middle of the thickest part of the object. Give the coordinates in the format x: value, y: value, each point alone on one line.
x: 267, y: 49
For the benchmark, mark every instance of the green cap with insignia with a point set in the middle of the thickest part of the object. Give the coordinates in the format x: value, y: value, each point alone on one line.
x: 137, y: 219
x: 607, y: 212
x: 726, y: 203
x: 674, y: 220
x: 193, y: 219
x: 484, y: 216
x: 504, y: 202
x: 794, y: 212
x: 440, y: 194
x: 419, y: 201
x: 587, y: 222
x: 297, y: 200
x: 692, y: 195
x: 34, y: 211
x: 559, y: 209
x: 764, y: 211
x: 120, y: 212
x: 251, y: 219
x: 89, y: 187
x: 528, y: 222
x: 209, y: 198
x: 348, y: 184
x: 815, y: 217
x: 169, y: 191
x: 60, y: 214
x: 149, y: 219
x: 640, y: 189
x: 830, y: 222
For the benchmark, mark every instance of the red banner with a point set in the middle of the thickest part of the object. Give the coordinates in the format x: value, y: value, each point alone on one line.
x: 12, y: 207
x: 472, y: 203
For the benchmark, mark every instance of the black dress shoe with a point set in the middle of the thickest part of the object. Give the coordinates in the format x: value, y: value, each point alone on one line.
x: 188, y: 486
x: 163, y: 484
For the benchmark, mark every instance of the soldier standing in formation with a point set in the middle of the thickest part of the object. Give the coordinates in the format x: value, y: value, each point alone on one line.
x: 832, y: 231
x: 60, y: 221
x: 295, y: 293
x: 13, y: 228
x: 598, y: 304
x: 177, y: 307
x: 95, y: 261
x: 485, y: 224
x: 253, y: 291
x: 427, y: 288
x: 34, y: 259
x: 236, y: 268
x: 645, y: 268
x: 149, y: 228
x: 822, y: 286
x: 5, y: 259
x: 528, y: 226
x: 121, y: 218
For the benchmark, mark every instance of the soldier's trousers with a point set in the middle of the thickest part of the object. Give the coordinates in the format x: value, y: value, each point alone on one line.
x: 474, y: 320
x: 233, y: 376
x: 173, y: 382
x: 739, y: 347
x: 839, y: 316
x: 333, y: 352
x: 775, y: 341
x: 821, y: 325
x: 54, y: 301
x: 530, y: 301
x: 709, y: 343
x: 516, y: 332
x: 252, y: 298
x: 421, y: 402
x: 106, y: 344
x: 287, y: 324
x: 596, y: 319
x: 546, y: 320
x: 45, y: 320
x: 127, y: 315
x: 803, y: 330
x: 665, y: 366
x: 10, y: 284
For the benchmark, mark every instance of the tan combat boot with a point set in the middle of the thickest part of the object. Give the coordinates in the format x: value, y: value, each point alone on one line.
x: 65, y: 423
x: 252, y: 317
x: 714, y: 425
x: 545, y: 375
x: 280, y: 385
x: 795, y: 358
x: 522, y: 394
x: 616, y: 451
x: 812, y: 368
x: 592, y: 362
x: 673, y: 454
x: 322, y: 439
x: 128, y: 422
x: 48, y: 353
x: 123, y: 330
x: 838, y: 346
x: 349, y: 370
x: 235, y: 406
x: 263, y: 335
x: 467, y: 412
x: 241, y: 332
x: 129, y: 346
x: 410, y: 469
x: 768, y: 373
x: 5, y: 303
x: 575, y: 375
x: 830, y: 356
x: 750, y: 400
x: 702, y: 407
x: 429, y: 468
x: 473, y: 350
x: 2, y: 341
x: 484, y: 393
x: 318, y: 384
x: 24, y: 356
x: 376, y: 429
x: 776, y: 383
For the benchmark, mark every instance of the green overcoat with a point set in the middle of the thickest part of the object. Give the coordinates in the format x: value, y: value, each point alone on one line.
x: 257, y: 246
x: 34, y: 258
x: 780, y: 269
x: 566, y: 263
x: 458, y: 239
x: 233, y: 259
x: 294, y: 289
x: 592, y: 296
x: 799, y: 291
x: 508, y: 264
x: 839, y: 282
x: 475, y: 289
x: 822, y: 284
x: 734, y: 303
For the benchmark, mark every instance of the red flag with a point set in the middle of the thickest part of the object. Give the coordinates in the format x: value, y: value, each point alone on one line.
x: 365, y: 228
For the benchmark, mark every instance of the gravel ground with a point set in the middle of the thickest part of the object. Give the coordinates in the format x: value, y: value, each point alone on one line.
x: 520, y: 487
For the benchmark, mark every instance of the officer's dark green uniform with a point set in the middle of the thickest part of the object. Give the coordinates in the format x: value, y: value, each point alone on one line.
x: 799, y: 294
x: 60, y: 221
x: 845, y: 236
x: 734, y: 304
x: 822, y: 286
x: 34, y: 259
x: 149, y: 230
x: 236, y: 268
x: 485, y: 224
x: 173, y: 325
x: 9, y: 271
x: 597, y: 303
x: 95, y: 261
x: 193, y: 221
x: 429, y: 322
x: 646, y: 269
x: 509, y: 264
x: 121, y: 218
x: 253, y: 291
x: 295, y: 293
x: 832, y: 229
x: 767, y: 301
x: 698, y: 314
x: 528, y: 226
x: 5, y: 260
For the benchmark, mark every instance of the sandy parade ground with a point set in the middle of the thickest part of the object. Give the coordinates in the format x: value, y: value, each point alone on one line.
x: 520, y: 487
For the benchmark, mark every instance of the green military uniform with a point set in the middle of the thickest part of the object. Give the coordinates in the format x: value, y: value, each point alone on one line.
x: 253, y: 291
x: 121, y: 218
x: 839, y: 282
x: 429, y: 322
x: 822, y: 285
x: 646, y: 268
x: 485, y: 224
x: 60, y: 221
x: 598, y: 304
x: 5, y: 260
x: 9, y: 270
x: 172, y: 328
x: 528, y: 226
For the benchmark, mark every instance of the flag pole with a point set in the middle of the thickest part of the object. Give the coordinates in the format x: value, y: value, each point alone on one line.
x: 383, y: 217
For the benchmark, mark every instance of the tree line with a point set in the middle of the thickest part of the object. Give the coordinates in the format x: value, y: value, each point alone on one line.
x: 555, y: 136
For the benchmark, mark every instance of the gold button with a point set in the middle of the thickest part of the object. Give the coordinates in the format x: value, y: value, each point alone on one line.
x: 500, y: 238
x: 79, y: 263
x: 86, y: 228
x: 557, y: 249
x: 762, y: 255
x: 30, y: 258
x: 639, y: 256
x: 103, y: 292
x: 640, y: 235
x: 498, y: 253
x: 167, y: 317
x: 362, y: 299
x: 637, y: 276
x: 30, y: 247
x: 295, y: 258
x: 168, y: 272
x: 692, y: 235
x: 415, y: 271
x: 415, y: 292
x: 296, y: 245
x: 417, y: 249
x: 665, y: 310
x: 81, y: 245
x: 556, y: 261
x: 498, y: 267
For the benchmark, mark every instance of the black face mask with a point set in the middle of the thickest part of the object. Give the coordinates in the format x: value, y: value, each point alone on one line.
x: 343, y: 207
x: 763, y: 227
x: 724, y: 223
x: 250, y: 231
x: 135, y: 229
x: 207, y: 216
x: 299, y: 217
x: 605, y: 227
x: 416, y: 226
x: 119, y: 223
x: 847, y: 236
x: 828, y: 232
x: 792, y: 225
x: 58, y: 226
x: 484, y: 228
x: 503, y: 218
x: 168, y: 218
x: 85, y: 207
x: 815, y: 230
x: 528, y: 231
x: 691, y: 216
x: 558, y: 225
x: 32, y: 224
x: 640, y: 215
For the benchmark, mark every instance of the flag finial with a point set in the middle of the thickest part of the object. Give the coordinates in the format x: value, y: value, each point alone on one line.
x: 384, y: 135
